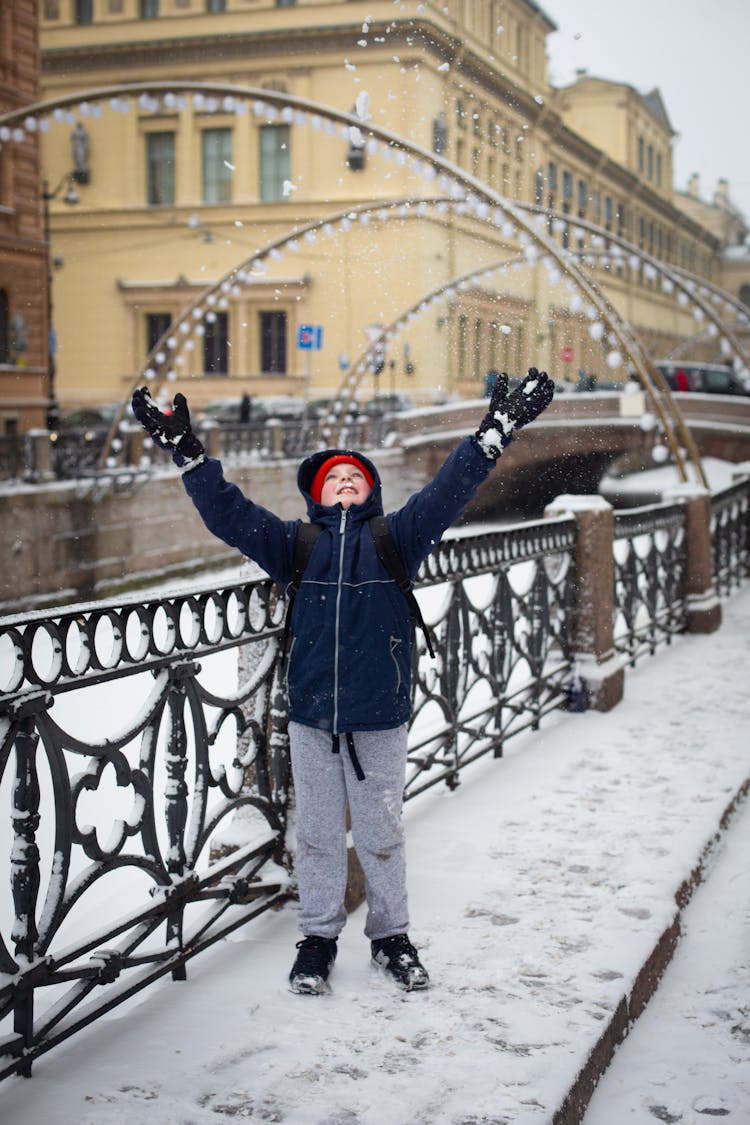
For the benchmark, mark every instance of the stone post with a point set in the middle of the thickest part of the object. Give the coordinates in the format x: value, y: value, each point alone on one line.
x: 276, y: 428
x: 39, y: 466
x: 702, y: 604
x: 133, y: 439
x: 210, y: 435
x: 598, y: 665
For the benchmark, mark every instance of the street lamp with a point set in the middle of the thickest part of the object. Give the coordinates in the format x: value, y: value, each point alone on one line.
x: 71, y: 197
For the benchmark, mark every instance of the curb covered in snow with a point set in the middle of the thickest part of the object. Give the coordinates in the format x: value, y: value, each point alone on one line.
x: 632, y: 1005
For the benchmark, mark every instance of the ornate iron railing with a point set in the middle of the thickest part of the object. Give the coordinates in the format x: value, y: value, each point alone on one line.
x: 136, y: 746
x: 649, y: 557
x: 144, y: 756
x: 500, y: 607
x: 13, y: 456
x: 730, y: 536
x: 69, y: 454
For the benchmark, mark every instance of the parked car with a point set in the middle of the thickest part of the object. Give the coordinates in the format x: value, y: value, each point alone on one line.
x: 261, y: 408
x: 707, y: 378
x: 88, y: 417
x: 391, y: 403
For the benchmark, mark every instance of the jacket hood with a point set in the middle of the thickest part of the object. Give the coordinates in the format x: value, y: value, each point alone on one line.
x: 309, y: 467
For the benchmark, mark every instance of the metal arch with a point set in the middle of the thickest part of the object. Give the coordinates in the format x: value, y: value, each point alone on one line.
x: 685, y: 281
x: 233, y: 274
x: 626, y: 338
x: 685, y: 345
x: 363, y: 361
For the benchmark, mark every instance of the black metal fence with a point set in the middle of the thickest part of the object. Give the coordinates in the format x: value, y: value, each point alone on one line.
x: 144, y: 770
x: 69, y: 454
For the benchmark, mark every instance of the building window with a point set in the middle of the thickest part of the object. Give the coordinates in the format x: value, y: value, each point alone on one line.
x: 641, y: 154
x: 216, y: 153
x: 439, y: 134
x: 216, y: 343
x: 216, y: 5
x: 4, y: 337
x: 273, y: 343
x: 84, y: 11
x: 463, y: 332
x: 275, y: 161
x: 149, y: 9
x: 650, y: 162
x: 539, y: 187
x: 493, y: 340
x: 658, y: 169
x: 478, y: 336
x: 609, y: 212
x: 567, y: 186
x: 583, y: 198
x: 156, y: 325
x: 160, y: 169
x: 460, y: 114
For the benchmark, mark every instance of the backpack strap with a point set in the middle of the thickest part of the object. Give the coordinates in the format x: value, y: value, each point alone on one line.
x: 393, y: 563
x: 307, y: 534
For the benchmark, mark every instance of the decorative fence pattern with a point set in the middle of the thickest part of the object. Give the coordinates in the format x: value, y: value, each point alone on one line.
x: 70, y: 454
x: 145, y: 743
x: 649, y: 557
x: 730, y: 537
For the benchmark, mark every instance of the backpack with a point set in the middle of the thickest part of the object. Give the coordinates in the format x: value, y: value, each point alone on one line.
x: 307, y: 534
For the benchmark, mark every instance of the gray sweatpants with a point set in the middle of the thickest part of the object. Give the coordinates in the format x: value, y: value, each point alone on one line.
x: 323, y: 782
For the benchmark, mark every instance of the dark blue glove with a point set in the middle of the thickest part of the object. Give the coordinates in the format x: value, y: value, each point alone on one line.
x: 510, y: 411
x: 171, y: 432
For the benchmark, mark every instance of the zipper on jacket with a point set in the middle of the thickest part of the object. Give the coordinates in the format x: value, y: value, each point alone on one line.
x: 342, y: 530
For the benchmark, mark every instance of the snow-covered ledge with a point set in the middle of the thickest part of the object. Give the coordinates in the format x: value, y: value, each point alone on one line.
x: 702, y: 604
x: 599, y: 665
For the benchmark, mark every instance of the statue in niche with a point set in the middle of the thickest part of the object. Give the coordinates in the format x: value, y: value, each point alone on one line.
x: 79, y: 143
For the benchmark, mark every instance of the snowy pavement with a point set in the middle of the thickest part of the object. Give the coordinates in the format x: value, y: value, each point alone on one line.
x: 539, y: 890
x: 687, y: 1058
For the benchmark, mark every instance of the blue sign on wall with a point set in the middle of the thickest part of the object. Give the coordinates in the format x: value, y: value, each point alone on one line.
x: 310, y: 337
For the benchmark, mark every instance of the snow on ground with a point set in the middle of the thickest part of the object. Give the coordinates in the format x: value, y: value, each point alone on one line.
x: 719, y: 474
x: 688, y: 1057
x: 537, y: 888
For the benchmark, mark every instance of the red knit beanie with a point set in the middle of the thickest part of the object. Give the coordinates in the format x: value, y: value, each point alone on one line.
x: 316, y: 487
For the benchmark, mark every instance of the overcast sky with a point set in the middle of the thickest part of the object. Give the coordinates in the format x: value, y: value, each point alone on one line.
x: 697, y: 55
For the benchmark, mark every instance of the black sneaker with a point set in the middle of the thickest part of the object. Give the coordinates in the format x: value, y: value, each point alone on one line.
x: 399, y: 959
x: 313, y: 964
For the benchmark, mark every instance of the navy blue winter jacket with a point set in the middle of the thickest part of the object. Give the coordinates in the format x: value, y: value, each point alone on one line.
x: 350, y: 658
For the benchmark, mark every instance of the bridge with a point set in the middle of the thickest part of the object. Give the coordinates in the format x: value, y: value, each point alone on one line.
x: 145, y: 759
x: 71, y: 530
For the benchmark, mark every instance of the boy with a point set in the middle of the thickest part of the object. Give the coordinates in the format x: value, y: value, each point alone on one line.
x: 349, y: 666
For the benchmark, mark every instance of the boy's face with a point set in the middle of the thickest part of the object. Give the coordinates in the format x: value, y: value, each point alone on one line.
x: 344, y: 484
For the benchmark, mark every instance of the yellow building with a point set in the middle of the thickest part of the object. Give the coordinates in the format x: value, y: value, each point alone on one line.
x: 177, y: 188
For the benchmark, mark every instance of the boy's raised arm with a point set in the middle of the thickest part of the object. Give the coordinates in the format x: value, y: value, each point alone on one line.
x: 418, y: 526
x: 226, y: 511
